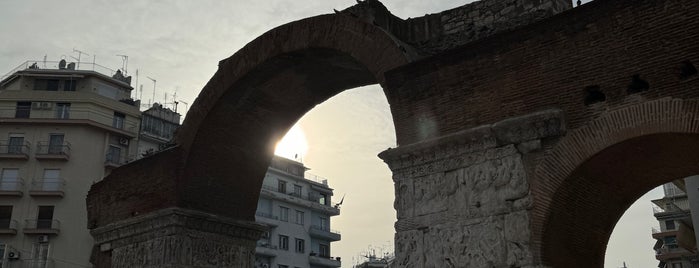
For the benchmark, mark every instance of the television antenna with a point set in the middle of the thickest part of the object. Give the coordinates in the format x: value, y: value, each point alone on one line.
x: 125, y: 63
x: 80, y: 53
x: 154, y: 81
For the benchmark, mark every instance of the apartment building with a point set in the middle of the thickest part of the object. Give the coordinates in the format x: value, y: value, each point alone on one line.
x: 63, y: 126
x: 297, y: 208
x: 676, y: 242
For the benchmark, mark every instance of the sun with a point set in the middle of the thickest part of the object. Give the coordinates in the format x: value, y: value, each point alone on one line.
x: 294, y: 145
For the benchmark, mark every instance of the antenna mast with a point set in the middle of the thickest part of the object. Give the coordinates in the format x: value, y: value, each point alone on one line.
x: 125, y: 63
x: 80, y: 53
x: 153, y: 88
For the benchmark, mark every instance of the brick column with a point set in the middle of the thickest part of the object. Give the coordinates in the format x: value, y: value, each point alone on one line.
x: 176, y: 237
x: 463, y: 199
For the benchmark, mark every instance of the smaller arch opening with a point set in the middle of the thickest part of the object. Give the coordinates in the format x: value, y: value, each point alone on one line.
x: 637, y: 85
x: 687, y: 70
x: 593, y: 95
x: 587, y: 207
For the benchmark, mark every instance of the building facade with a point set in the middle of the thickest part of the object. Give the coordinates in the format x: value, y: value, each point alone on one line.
x: 676, y: 242
x: 63, y: 127
x: 297, y: 208
x: 158, y: 125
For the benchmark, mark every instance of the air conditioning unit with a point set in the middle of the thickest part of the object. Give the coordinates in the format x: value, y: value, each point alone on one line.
x: 13, y: 254
x: 124, y: 141
x: 43, y: 239
x: 46, y: 105
x: 42, y: 105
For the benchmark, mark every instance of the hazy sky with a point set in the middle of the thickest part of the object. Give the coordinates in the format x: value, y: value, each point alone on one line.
x: 179, y: 43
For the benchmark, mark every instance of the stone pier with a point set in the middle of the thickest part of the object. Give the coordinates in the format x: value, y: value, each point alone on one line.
x: 463, y: 200
x: 176, y: 237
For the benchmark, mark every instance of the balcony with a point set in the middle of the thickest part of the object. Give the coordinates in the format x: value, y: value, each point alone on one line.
x: 42, y: 226
x: 325, y: 261
x: 49, y: 263
x: 115, y: 160
x: 324, y: 233
x: 264, y: 248
x: 667, y: 252
x: 266, y: 218
x: 658, y: 233
x: 14, y: 151
x: 48, y: 187
x: 47, y: 151
x: 306, y: 201
x: 8, y: 226
x: 128, y: 127
x: 11, y: 187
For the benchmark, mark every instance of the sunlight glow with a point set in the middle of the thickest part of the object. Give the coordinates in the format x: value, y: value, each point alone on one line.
x: 294, y: 145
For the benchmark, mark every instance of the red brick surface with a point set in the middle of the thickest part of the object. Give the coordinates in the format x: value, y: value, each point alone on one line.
x: 226, y: 142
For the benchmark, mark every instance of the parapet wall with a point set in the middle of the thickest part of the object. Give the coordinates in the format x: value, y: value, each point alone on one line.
x: 433, y: 33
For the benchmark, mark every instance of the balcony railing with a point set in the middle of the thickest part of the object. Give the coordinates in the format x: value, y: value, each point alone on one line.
x: 48, y: 187
x: 99, y: 117
x: 316, y: 178
x: 11, y: 187
x: 46, y: 150
x: 266, y: 215
x: 116, y: 160
x: 324, y: 233
x: 325, y: 261
x: 8, y: 150
x: 54, y: 65
x: 31, y: 263
x: 8, y: 226
x: 324, y: 229
x: 42, y: 226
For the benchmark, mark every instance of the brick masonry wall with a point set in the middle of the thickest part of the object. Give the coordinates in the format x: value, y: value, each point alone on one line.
x: 434, y: 33
x: 556, y: 63
x: 550, y: 64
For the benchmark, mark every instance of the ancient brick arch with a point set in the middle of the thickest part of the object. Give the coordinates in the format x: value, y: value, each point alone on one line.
x: 260, y: 91
x: 506, y: 128
x: 587, y: 181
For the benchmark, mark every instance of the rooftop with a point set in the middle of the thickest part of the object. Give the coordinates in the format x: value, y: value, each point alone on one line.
x: 59, y: 67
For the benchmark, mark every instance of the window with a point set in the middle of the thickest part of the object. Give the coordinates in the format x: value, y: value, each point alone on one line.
x: 69, y: 85
x: 45, y: 218
x: 324, y: 223
x: 55, y: 144
x: 5, y: 217
x: 281, y: 186
x: 118, y: 121
x: 40, y: 255
x: 323, y: 199
x: 62, y: 110
x: 284, y: 214
x: 9, y: 180
x: 23, y: 109
x: 283, y: 242
x: 297, y: 190
x: 670, y: 225
x: 14, y: 144
x: 299, y: 217
x: 324, y: 250
x: 113, y: 154
x: 670, y: 241
x: 51, y: 180
x: 300, y: 245
x: 46, y: 84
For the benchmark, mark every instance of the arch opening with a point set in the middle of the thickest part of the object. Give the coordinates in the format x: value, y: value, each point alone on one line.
x: 250, y: 103
x: 586, y: 208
